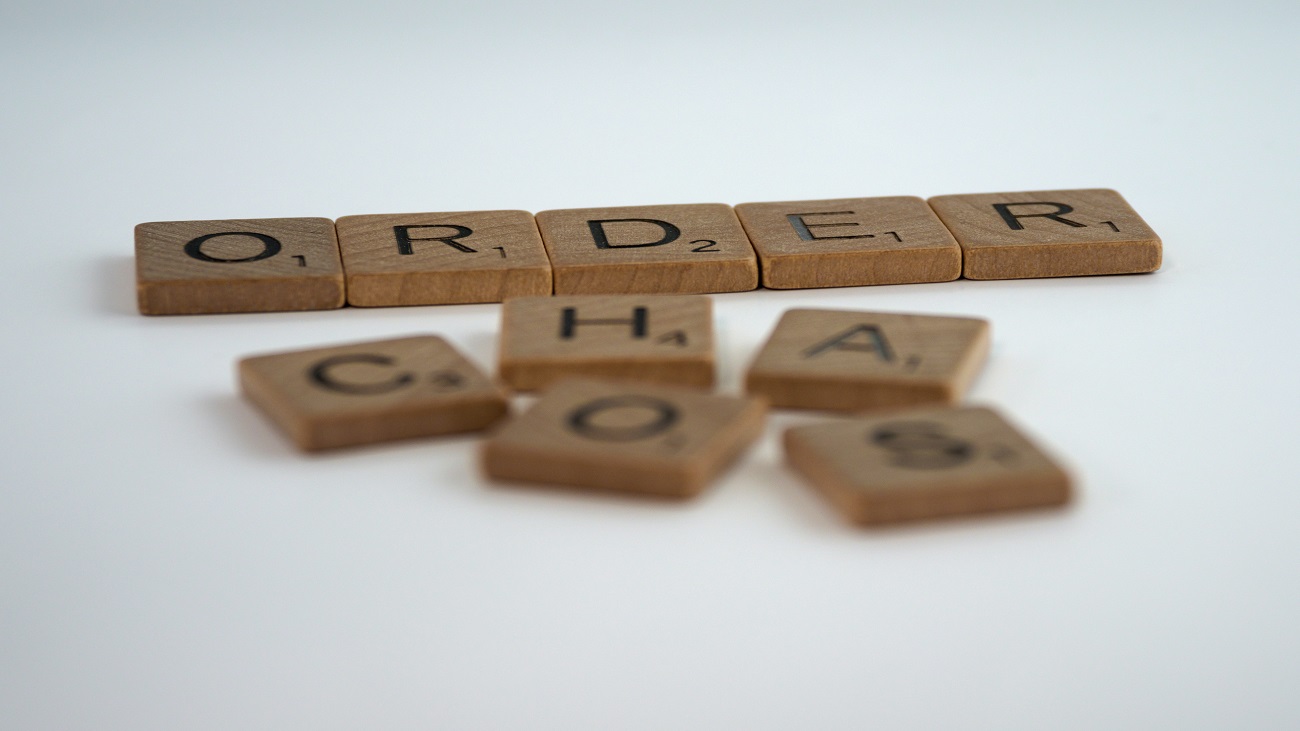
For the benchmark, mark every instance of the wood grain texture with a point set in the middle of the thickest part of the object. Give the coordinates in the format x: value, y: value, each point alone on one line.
x: 652, y: 338
x: 674, y: 249
x: 928, y: 463
x: 442, y: 258
x: 1049, y: 233
x: 849, y: 242
x: 243, y: 265
x: 626, y: 437
x: 378, y: 391
x: 855, y: 361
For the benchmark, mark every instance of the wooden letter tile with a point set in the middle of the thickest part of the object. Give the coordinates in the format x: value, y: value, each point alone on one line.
x: 628, y: 437
x: 1048, y: 233
x: 656, y: 338
x: 850, y: 242
x: 372, y: 392
x: 250, y: 265
x: 680, y: 249
x: 925, y: 464
x: 442, y: 258
x: 855, y: 361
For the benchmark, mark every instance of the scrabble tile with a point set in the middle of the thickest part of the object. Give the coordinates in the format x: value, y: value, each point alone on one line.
x: 622, y: 436
x: 655, y: 338
x: 1048, y: 233
x: 248, y: 265
x: 925, y: 463
x: 850, y: 242
x: 855, y: 361
x: 442, y: 258
x: 681, y: 249
x: 372, y: 392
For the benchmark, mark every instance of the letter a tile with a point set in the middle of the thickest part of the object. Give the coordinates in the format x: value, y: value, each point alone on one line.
x: 1050, y: 233
x: 655, y: 338
x: 250, y: 265
x: 442, y: 258
x: 925, y: 463
x: 850, y: 242
x: 372, y: 392
x: 679, y: 249
x: 856, y: 361
x: 626, y: 437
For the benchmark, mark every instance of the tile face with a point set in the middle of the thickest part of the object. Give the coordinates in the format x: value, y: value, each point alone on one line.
x: 247, y: 265
x: 654, y: 338
x: 442, y: 258
x: 627, y: 437
x: 850, y: 242
x: 680, y: 249
x: 855, y: 361
x: 372, y: 392
x: 924, y: 464
x: 1050, y: 233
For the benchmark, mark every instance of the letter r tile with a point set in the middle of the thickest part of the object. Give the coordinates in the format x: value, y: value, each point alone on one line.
x: 442, y: 258
x: 857, y: 361
x: 674, y: 249
x: 371, y: 392
x: 1048, y: 233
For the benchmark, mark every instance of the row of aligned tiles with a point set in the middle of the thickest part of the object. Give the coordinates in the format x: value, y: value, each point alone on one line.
x: 278, y: 264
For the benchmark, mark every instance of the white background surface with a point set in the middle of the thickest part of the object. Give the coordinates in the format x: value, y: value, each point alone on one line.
x: 167, y: 561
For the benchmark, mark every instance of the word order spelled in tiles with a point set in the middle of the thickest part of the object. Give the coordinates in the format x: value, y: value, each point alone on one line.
x: 628, y: 437
x: 442, y: 258
x: 853, y: 361
x: 1053, y: 233
x: 657, y: 338
x: 372, y: 392
x: 248, y: 265
x: 926, y: 463
x: 850, y: 242
x: 679, y: 249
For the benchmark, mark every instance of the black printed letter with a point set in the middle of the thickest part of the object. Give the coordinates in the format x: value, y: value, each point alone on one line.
x: 804, y: 228
x: 569, y: 322
x: 671, y: 232
x: 403, y: 234
x: 663, y: 416
x: 320, y: 375
x: 1013, y: 219
x: 876, y: 343
x: 270, y: 247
